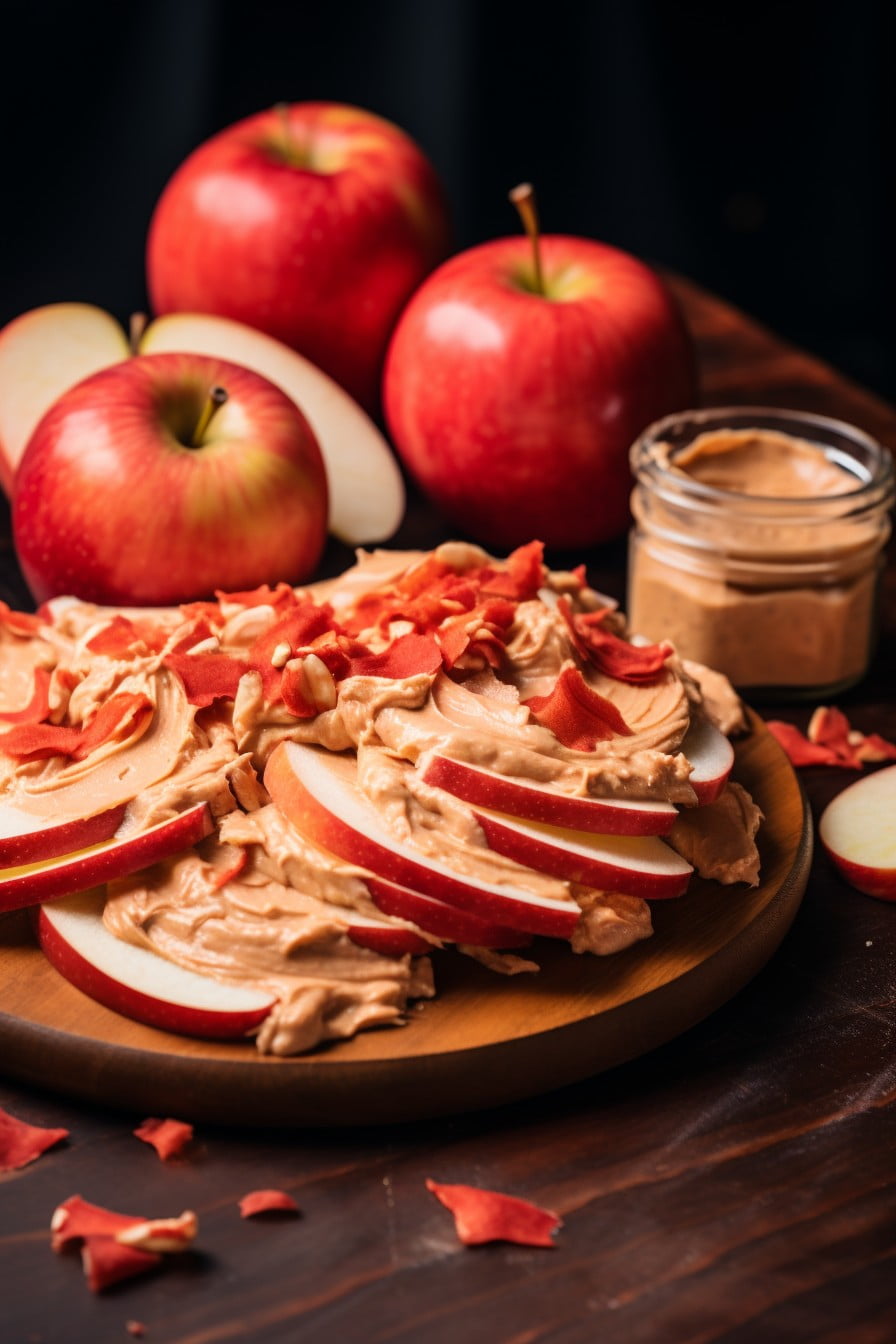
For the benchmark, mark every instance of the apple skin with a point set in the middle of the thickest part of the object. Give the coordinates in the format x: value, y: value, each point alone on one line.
x: 112, y: 506
x: 26, y: 839
x: 313, y: 222
x: 515, y: 411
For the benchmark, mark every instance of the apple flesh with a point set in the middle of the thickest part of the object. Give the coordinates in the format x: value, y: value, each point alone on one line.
x: 607, y: 816
x: 139, y: 983
x: 317, y: 791
x: 26, y: 838
x: 30, y: 883
x: 122, y: 496
x: 313, y: 222
x: 711, y: 756
x: 47, y: 351
x: 858, y: 832
x: 515, y: 410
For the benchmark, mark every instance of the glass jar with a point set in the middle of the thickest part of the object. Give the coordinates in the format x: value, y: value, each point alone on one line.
x: 769, y: 571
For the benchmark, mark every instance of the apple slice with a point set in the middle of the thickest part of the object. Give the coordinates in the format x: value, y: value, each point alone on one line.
x: 317, y: 790
x: 858, y: 831
x: 637, y: 865
x: 366, y: 488
x: 448, y: 922
x: 25, y: 838
x: 712, y: 757
x: 540, y: 802
x: 28, y: 884
x: 42, y: 354
x: 137, y: 982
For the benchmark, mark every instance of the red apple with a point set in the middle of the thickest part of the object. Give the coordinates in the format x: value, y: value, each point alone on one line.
x: 26, y: 838
x: 28, y: 884
x: 45, y: 352
x: 126, y: 492
x: 858, y: 831
x: 447, y: 922
x: 514, y: 404
x: 313, y: 222
x: 317, y: 790
x: 711, y: 756
x: 137, y: 982
x: 545, y: 803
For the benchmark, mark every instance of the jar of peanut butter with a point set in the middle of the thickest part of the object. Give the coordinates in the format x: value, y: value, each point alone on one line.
x: 758, y: 545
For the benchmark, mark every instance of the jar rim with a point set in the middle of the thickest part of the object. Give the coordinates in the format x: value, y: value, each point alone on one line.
x: 878, y: 472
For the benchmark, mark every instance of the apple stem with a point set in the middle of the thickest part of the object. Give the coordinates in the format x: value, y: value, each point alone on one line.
x: 523, y: 197
x: 290, y: 149
x: 213, y: 402
x: 136, y: 328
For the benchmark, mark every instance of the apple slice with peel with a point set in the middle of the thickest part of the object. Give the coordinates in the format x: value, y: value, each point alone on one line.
x: 712, y: 757
x: 25, y: 838
x: 858, y: 832
x: 447, y: 922
x: 318, y: 791
x: 140, y: 983
x: 637, y: 865
x: 366, y: 487
x: 42, y: 354
x: 539, y: 802
x: 31, y: 883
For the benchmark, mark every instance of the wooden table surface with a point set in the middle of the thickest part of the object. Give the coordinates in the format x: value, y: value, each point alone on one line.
x: 736, y: 1185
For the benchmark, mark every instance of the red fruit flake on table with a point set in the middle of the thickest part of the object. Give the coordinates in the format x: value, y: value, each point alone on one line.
x: 162, y: 1235
x: 21, y: 1143
x: 831, y: 741
x: 576, y: 715
x: 486, y: 1215
x: 267, y: 1201
x: 38, y: 707
x: 637, y: 664
x: 168, y: 1137
x: 106, y: 1262
x: 135, y: 1328
x: 75, y: 1219
x: 798, y: 749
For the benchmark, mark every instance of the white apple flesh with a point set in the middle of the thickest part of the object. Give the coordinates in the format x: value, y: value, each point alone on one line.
x: 139, y: 983
x: 712, y: 757
x: 317, y: 790
x: 26, y: 838
x: 607, y: 816
x: 858, y: 832
x: 31, y: 883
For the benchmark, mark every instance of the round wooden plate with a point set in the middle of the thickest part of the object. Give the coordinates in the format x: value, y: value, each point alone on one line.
x: 483, y: 1041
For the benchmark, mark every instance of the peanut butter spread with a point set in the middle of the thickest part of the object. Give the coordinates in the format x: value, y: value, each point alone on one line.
x: 503, y: 666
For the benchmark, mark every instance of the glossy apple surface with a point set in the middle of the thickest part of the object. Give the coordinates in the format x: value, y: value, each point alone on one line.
x: 137, y: 982
x: 313, y: 222
x: 115, y: 503
x: 26, y: 838
x: 858, y: 832
x: 515, y: 410
x: 47, y: 351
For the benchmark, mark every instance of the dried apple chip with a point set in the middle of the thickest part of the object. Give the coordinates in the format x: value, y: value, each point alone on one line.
x: 576, y: 715
x: 637, y: 664
x: 107, y: 1262
x: 485, y: 1215
x: 267, y: 1201
x: 168, y: 1137
x: 207, y: 676
x: 408, y: 656
x: 76, y: 1219
x: 21, y: 1143
x: 37, y: 708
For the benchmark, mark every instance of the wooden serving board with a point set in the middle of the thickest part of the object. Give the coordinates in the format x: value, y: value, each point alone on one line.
x: 483, y: 1041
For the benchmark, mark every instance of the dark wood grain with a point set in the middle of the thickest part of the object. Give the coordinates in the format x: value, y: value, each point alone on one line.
x: 735, y: 1185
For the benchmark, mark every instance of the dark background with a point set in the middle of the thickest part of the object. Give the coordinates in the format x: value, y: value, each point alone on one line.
x: 750, y: 146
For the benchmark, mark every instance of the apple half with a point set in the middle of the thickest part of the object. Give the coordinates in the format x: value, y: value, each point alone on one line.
x: 317, y: 791
x: 858, y: 832
x: 606, y: 816
x: 30, y: 883
x: 45, y: 352
x: 137, y: 982
x: 26, y: 838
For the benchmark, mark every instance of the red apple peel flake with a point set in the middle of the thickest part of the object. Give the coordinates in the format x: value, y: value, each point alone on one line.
x: 168, y: 1137
x: 408, y: 656
x: 279, y: 598
x: 125, y: 638
x: 20, y: 622
x: 105, y: 1262
x: 21, y: 1143
x: 830, y: 741
x: 637, y: 664
x: 267, y: 1201
x: 485, y: 1215
x: 161, y: 1235
x: 75, y: 1219
x: 576, y: 715
x: 122, y: 716
x: 135, y: 1328
x: 207, y: 676
x: 37, y: 708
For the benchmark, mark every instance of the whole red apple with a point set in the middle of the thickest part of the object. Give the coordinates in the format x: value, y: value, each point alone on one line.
x: 514, y: 398
x: 141, y: 486
x: 313, y: 222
